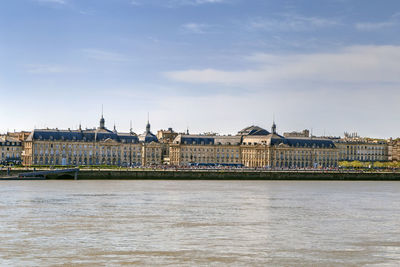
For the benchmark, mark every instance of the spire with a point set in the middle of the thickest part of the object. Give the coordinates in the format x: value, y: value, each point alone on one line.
x: 115, y: 128
x: 102, y: 120
x: 80, y: 126
x: 187, y: 130
x: 148, y: 123
x: 273, y: 128
x: 130, y: 127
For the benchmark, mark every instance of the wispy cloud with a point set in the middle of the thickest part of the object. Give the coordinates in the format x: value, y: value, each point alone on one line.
x: 177, y: 3
x: 291, y: 22
x: 208, y: 1
x: 196, y: 28
x: 61, y: 2
x: 135, y: 3
x: 373, y: 26
x: 103, y: 55
x: 46, y: 69
x: 357, y: 64
x: 196, y: 2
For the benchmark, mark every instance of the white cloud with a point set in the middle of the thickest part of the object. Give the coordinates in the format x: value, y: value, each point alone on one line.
x: 374, y: 26
x: 46, y: 69
x: 208, y: 1
x: 347, y: 90
x: 195, y: 27
x: 103, y: 55
x: 61, y: 2
x: 173, y: 3
x: 135, y: 3
x: 371, y: 26
x: 356, y: 64
x: 291, y: 22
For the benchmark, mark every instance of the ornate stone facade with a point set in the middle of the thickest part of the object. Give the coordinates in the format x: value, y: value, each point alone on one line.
x: 10, y: 150
x: 91, y: 147
x: 254, y: 147
x: 205, y: 149
x: 359, y: 149
x: 394, y: 150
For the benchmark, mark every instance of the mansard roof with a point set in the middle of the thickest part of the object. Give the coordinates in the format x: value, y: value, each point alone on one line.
x: 148, y: 137
x: 304, y: 142
x: 92, y: 135
x: 207, y: 139
x: 227, y: 140
x: 194, y: 139
x: 253, y: 130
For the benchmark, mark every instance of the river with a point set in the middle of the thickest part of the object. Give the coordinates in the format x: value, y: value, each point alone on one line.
x: 186, y: 223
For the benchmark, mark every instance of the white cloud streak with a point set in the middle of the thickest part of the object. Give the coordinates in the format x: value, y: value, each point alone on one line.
x: 177, y: 3
x: 291, y: 22
x: 61, y: 2
x: 371, y: 26
x: 195, y: 28
x: 356, y: 64
x: 46, y: 69
x: 374, y: 26
x: 103, y: 55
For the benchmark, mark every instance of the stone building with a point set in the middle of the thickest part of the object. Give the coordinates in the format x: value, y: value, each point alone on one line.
x: 10, y: 150
x: 205, y: 149
x: 353, y: 148
x: 275, y: 151
x: 394, y: 150
x: 152, y: 149
x: 304, y: 133
x: 90, y: 147
x: 166, y: 137
x: 254, y: 147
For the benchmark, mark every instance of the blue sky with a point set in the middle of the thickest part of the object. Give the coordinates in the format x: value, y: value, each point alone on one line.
x: 210, y: 65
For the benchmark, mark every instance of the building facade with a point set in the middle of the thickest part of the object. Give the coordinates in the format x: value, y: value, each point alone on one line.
x: 254, y: 147
x: 362, y: 149
x: 394, y: 150
x: 91, y: 147
x: 205, y: 149
x: 10, y: 150
x: 166, y: 137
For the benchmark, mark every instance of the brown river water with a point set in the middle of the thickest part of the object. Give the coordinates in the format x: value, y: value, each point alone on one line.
x: 199, y: 223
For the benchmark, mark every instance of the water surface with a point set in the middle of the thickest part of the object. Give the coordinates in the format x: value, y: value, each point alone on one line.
x: 230, y: 223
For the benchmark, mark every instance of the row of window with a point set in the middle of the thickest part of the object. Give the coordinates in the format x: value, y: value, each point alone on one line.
x: 10, y: 144
x: 209, y: 149
x: 10, y: 149
x: 70, y: 146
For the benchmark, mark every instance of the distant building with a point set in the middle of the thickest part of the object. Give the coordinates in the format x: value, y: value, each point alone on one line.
x: 205, y: 149
x: 275, y: 151
x: 304, y: 133
x: 91, y: 147
x: 10, y: 150
x: 166, y: 137
x: 394, y: 150
x: 254, y: 147
x: 151, y: 148
x: 352, y: 147
x: 19, y: 135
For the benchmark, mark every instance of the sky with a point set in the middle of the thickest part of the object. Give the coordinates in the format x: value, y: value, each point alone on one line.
x: 208, y: 65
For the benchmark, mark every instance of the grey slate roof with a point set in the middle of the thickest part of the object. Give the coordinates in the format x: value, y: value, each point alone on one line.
x: 148, y: 137
x: 194, y: 139
x: 207, y: 139
x: 304, y: 142
x: 81, y: 135
x: 253, y: 130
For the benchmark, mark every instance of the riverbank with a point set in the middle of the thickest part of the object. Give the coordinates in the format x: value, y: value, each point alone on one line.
x: 138, y: 174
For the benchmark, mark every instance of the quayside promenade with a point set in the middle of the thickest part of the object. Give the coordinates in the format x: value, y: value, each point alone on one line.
x: 215, y: 174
